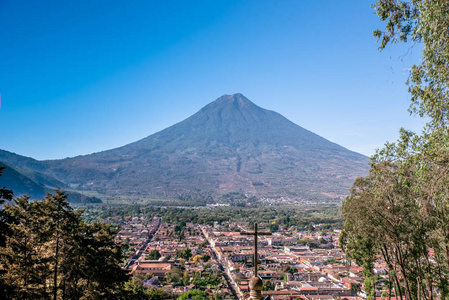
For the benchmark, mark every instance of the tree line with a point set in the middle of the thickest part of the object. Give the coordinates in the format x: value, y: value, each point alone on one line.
x: 285, y: 216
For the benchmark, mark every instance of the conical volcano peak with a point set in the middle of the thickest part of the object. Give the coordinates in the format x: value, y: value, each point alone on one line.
x: 235, y: 98
x: 230, y: 110
x: 230, y: 145
x: 235, y: 102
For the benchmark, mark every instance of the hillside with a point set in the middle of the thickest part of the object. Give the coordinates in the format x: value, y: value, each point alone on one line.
x: 230, y: 145
x: 36, y: 185
x: 20, y: 183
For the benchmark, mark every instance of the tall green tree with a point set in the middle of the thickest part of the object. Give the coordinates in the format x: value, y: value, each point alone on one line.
x: 401, y: 208
x: 103, y: 257
x: 425, y: 22
x: 154, y: 255
x: 388, y: 214
x: 25, y: 268
x: 50, y: 252
x: 5, y: 195
x: 59, y: 228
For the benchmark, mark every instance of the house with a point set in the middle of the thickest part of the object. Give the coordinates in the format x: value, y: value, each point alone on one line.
x: 155, y: 268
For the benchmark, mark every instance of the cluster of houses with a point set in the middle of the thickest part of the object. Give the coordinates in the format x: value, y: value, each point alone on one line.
x: 293, y: 263
x: 289, y: 268
x: 181, y: 253
x: 135, y: 232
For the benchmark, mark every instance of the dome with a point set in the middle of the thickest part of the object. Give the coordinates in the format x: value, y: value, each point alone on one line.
x: 322, y: 279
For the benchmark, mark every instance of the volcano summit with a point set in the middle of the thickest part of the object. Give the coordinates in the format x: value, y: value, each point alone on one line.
x: 230, y: 145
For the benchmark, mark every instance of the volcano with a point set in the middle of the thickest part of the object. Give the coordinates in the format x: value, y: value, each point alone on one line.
x: 230, y: 145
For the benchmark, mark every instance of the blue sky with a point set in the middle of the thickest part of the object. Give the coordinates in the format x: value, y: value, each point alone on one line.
x: 78, y: 77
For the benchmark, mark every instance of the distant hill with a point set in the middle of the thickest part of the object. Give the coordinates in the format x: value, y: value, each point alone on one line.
x: 36, y: 185
x: 20, y: 183
x: 230, y: 145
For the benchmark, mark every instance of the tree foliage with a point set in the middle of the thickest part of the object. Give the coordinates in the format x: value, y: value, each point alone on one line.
x: 394, y: 212
x: 51, y: 253
x: 193, y: 294
x: 425, y: 22
x: 154, y: 255
x: 400, y: 211
x: 185, y: 253
x: 5, y: 195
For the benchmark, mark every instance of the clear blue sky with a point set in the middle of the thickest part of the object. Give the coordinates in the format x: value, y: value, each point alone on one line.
x: 78, y: 77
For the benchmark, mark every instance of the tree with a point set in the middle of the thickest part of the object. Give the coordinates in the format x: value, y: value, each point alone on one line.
x: 206, y: 279
x: 58, y: 229
x: 401, y: 209
x: 133, y: 289
x: 154, y: 255
x: 5, y: 195
x: 174, y: 275
x: 424, y: 22
x: 156, y: 294
x: 383, y: 216
x: 185, y: 253
x: 177, y: 229
x: 185, y: 278
x: 104, y: 277
x: 194, y: 294
x: 24, y: 268
x: 51, y: 253
x: 273, y: 226
x: 205, y: 258
x: 355, y: 288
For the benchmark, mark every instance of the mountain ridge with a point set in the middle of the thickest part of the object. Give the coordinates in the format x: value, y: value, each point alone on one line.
x: 36, y: 185
x: 230, y: 145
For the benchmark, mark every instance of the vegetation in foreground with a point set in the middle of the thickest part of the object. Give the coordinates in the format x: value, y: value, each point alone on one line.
x: 400, y: 211
x: 47, y: 251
